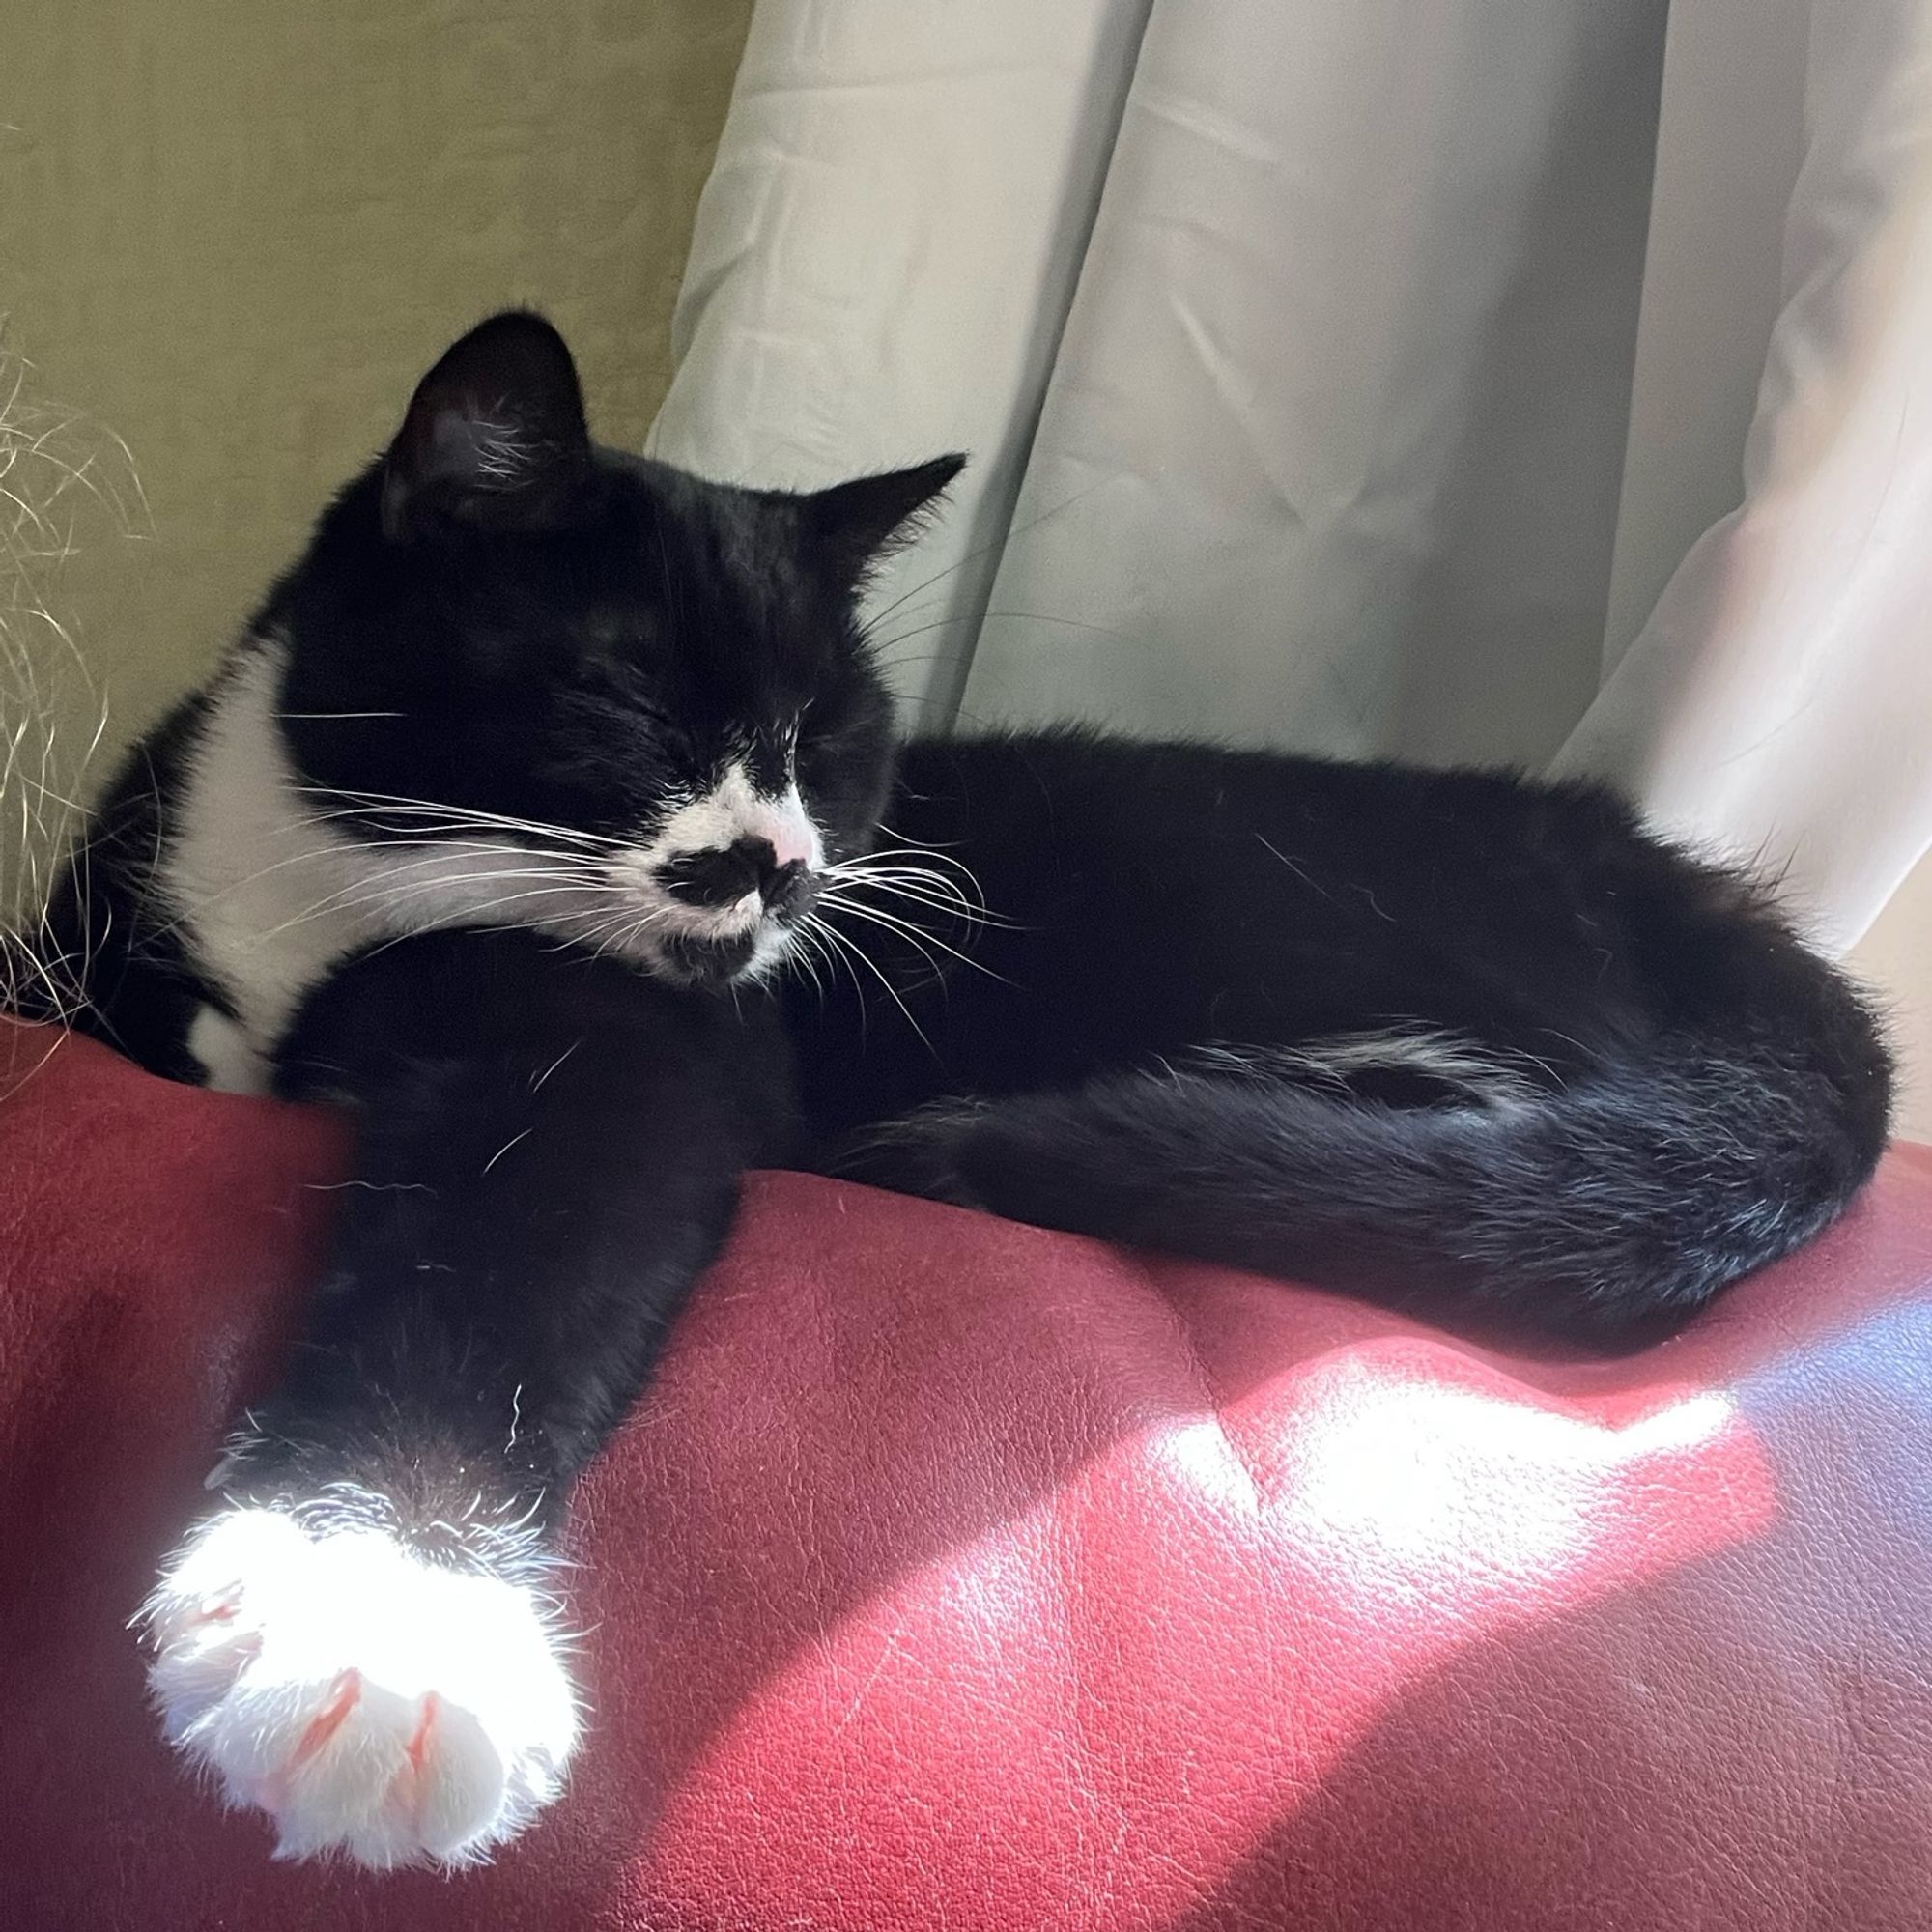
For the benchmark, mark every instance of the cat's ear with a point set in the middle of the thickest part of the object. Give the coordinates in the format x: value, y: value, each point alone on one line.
x: 850, y: 527
x: 494, y: 437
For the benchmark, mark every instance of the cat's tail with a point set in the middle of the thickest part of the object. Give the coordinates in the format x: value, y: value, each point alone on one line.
x: 1633, y: 1194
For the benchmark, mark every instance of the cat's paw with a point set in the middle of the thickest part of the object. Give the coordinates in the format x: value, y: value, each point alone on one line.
x: 370, y: 1702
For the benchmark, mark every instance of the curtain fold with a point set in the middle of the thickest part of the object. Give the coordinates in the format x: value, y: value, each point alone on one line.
x: 883, y: 262
x: 1354, y: 378
x: 1331, y: 451
x: 1778, y: 704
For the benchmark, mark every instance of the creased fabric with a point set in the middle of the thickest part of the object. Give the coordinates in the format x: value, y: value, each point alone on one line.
x: 1353, y: 380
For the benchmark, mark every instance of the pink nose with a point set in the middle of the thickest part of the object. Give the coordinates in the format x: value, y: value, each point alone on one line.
x: 791, y: 837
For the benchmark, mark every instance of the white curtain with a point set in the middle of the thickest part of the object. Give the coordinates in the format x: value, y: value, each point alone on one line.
x: 1533, y: 381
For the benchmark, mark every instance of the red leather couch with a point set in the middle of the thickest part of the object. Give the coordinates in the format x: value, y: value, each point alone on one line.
x: 961, y: 1576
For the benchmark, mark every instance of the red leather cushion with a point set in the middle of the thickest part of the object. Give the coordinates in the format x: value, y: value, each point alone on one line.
x: 960, y: 1575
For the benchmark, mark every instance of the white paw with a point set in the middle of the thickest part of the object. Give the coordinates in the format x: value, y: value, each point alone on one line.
x: 368, y: 1701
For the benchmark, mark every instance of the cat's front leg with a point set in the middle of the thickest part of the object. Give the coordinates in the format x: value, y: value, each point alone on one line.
x: 366, y: 1640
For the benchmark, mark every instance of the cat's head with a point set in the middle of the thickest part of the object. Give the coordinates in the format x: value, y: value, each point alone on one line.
x: 642, y: 702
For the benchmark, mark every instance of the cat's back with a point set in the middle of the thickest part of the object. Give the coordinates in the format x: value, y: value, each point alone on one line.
x: 1076, y: 795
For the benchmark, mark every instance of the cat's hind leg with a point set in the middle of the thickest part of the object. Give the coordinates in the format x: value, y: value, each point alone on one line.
x: 1599, y: 1199
x: 958, y: 1147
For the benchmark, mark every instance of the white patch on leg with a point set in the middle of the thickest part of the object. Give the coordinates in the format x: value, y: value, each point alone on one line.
x: 370, y: 1702
x: 226, y: 1053
x: 1488, y: 1077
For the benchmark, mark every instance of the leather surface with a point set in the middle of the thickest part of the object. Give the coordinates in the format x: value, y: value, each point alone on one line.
x: 961, y: 1576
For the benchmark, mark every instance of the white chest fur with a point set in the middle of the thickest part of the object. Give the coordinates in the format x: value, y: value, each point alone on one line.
x: 272, y: 892
x: 267, y: 895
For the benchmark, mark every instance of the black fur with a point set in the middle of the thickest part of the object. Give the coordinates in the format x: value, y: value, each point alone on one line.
x: 1643, y: 1085
x: 118, y: 966
x: 550, y: 1152
x: 502, y: 618
x: 1684, y: 1094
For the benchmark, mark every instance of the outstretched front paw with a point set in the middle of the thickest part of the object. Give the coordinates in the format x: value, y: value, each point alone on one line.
x: 370, y: 1701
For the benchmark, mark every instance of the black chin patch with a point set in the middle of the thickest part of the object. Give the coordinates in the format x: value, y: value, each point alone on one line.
x: 706, y: 962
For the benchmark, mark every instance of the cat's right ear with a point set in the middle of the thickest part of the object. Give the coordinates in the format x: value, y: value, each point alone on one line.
x: 495, y: 438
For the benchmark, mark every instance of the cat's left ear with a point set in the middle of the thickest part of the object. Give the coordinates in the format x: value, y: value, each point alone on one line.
x: 850, y: 527
x: 494, y: 437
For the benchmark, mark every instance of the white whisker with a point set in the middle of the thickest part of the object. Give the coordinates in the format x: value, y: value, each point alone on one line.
x: 537, y: 1085
x: 434, y: 853
x: 381, y: 803
x: 915, y: 936
x: 949, y: 903
x: 388, y: 893
x: 846, y: 943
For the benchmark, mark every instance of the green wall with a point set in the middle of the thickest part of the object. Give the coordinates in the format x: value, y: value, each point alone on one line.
x: 235, y: 231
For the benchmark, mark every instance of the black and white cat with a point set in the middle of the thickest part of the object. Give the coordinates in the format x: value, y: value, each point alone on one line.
x: 550, y: 814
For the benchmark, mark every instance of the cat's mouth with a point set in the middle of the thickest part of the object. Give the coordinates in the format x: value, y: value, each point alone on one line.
x: 723, y: 909
x: 716, y: 949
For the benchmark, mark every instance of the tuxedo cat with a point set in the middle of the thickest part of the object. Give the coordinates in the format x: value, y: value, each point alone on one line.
x: 550, y: 815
